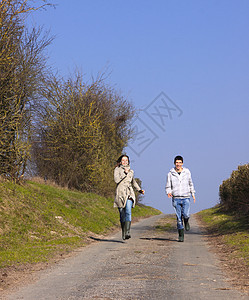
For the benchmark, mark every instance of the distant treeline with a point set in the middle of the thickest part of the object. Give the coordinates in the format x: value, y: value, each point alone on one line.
x: 64, y: 130
x: 234, y: 192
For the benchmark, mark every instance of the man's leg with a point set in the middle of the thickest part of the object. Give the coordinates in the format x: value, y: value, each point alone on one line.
x: 177, y: 204
x: 186, y: 209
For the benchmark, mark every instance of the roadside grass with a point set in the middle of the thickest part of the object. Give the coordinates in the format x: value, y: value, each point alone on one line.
x: 233, y: 230
x: 40, y: 221
x: 167, y: 223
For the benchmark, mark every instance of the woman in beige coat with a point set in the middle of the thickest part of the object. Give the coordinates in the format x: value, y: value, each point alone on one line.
x: 125, y: 197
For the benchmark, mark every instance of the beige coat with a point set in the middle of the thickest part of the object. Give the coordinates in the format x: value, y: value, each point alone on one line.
x: 124, y: 188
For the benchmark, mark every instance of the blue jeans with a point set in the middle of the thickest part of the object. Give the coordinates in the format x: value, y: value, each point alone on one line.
x: 181, y: 207
x: 125, y: 213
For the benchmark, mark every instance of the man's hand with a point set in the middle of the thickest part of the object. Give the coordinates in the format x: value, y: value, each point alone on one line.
x: 194, y: 198
x: 170, y: 195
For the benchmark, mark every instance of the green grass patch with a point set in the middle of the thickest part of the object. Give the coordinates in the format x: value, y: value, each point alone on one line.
x: 167, y: 223
x: 233, y: 228
x: 39, y: 221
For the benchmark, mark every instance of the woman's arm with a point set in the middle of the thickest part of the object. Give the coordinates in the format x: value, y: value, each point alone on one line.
x: 136, y: 186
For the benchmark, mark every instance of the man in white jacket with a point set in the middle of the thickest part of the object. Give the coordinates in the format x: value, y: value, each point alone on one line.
x: 179, y: 187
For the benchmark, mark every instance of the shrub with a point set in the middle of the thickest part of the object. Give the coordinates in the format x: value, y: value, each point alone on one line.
x: 234, y: 192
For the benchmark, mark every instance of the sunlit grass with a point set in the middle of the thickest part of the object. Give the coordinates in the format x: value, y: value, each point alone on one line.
x: 39, y: 221
x: 233, y: 228
x: 167, y: 223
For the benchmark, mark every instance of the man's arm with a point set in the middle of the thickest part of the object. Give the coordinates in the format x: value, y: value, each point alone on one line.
x: 192, y: 189
x: 168, y: 187
x: 193, y: 195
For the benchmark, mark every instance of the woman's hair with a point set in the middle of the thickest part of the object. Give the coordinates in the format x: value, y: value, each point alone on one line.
x: 120, y: 158
x: 178, y: 157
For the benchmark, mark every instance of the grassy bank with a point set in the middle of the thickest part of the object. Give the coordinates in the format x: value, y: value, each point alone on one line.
x: 232, y: 229
x: 39, y: 221
x: 228, y: 235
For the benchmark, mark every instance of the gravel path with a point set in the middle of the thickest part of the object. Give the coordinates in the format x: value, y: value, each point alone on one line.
x: 150, y: 265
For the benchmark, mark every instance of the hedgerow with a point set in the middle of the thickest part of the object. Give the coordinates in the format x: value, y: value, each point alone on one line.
x: 234, y: 192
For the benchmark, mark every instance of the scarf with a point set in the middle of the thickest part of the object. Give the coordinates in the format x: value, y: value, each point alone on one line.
x: 127, y: 167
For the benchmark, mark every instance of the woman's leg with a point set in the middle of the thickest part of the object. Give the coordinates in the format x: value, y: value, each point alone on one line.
x: 122, y: 221
x: 121, y: 214
x: 128, y: 208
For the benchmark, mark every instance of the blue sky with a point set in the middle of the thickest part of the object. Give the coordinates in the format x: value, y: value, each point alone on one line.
x: 183, y: 64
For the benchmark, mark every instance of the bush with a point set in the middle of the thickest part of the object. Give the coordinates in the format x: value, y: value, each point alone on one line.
x: 82, y: 130
x: 23, y: 65
x: 234, y: 192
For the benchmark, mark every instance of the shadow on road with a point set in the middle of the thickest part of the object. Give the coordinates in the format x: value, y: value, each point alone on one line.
x: 159, y: 239
x: 105, y: 240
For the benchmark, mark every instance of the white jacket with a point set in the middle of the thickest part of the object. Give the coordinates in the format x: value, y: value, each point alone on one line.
x: 180, y: 186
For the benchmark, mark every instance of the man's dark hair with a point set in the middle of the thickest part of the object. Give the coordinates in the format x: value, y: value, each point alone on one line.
x: 178, y: 157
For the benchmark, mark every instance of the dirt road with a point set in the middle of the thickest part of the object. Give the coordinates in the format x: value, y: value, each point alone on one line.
x: 150, y: 265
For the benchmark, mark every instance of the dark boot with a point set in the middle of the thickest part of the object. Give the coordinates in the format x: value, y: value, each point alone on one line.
x: 186, y: 224
x: 123, y: 230
x: 181, y: 235
x: 127, y: 229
